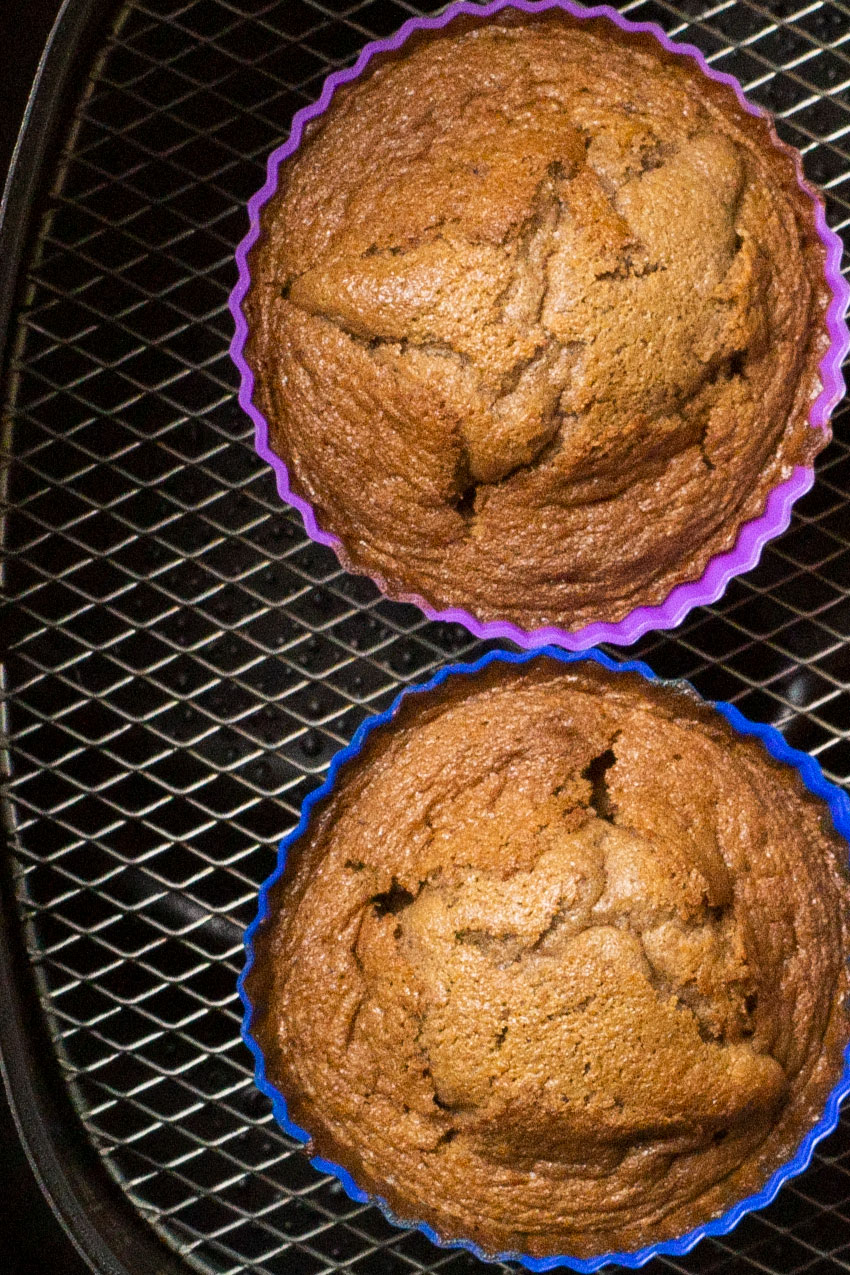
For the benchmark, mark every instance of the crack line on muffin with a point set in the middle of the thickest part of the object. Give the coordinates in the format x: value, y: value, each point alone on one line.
x: 394, y: 900
x: 548, y: 210
x: 596, y: 772
x: 466, y: 491
x: 688, y: 1000
x: 542, y: 222
x: 352, y: 1023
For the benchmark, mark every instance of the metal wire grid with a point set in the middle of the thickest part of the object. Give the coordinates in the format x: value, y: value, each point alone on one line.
x: 182, y: 662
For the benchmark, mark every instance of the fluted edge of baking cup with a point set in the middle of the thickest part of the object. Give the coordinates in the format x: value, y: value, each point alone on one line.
x: 752, y: 535
x: 813, y: 779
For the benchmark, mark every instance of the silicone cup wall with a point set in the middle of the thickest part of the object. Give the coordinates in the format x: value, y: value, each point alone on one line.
x: 752, y: 536
x: 813, y: 778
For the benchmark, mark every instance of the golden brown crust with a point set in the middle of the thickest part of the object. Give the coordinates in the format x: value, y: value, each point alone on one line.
x: 536, y: 319
x: 560, y: 966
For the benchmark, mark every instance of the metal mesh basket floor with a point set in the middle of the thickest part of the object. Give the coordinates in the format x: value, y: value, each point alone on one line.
x: 182, y: 662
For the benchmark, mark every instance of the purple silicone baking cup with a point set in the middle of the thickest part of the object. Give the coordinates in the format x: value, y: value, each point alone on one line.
x: 812, y: 777
x: 752, y: 536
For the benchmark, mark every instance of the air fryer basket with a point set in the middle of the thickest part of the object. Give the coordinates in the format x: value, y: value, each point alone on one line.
x: 181, y: 662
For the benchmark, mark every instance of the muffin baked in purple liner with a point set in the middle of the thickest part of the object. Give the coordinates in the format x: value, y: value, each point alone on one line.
x: 807, y: 1111
x: 752, y: 532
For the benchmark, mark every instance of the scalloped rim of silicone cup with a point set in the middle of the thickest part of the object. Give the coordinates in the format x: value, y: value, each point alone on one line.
x: 813, y: 779
x: 752, y: 535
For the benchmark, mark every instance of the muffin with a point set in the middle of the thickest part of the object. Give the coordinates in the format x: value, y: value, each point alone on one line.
x: 535, y: 319
x: 559, y: 964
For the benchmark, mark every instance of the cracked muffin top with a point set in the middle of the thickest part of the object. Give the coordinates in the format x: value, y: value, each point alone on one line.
x: 560, y: 965
x: 536, y: 316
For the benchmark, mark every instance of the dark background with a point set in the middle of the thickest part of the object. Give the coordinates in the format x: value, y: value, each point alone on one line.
x: 23, y: 35
x: 31, y: 1240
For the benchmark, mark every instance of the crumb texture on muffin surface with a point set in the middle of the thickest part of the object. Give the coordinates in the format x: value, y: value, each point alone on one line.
x: 560, y: 966
x: 535, y: 319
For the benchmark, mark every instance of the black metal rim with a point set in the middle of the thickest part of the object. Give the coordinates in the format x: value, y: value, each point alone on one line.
x: 98, y: 1219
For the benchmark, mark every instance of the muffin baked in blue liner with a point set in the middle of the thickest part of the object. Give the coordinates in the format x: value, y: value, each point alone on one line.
x: 813, y: 780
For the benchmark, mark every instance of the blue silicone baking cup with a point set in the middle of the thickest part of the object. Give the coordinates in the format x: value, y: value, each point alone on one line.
x: 814, y: 780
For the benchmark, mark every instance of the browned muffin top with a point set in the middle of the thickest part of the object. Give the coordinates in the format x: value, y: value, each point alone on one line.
x: 536, y: 318
x: 559, y: 967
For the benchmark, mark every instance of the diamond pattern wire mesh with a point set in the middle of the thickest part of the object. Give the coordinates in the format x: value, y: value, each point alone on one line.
x: 182, y: 661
